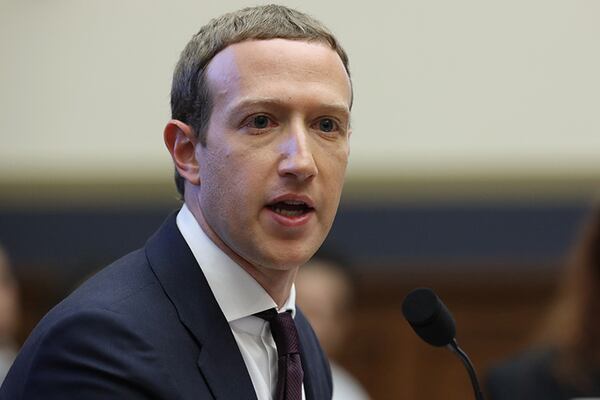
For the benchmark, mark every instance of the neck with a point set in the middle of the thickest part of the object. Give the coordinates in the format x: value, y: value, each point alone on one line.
x: 276, y: 282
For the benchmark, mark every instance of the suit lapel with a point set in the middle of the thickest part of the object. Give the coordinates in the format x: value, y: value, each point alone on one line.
x: 317, y: 375
x: 220, y: 360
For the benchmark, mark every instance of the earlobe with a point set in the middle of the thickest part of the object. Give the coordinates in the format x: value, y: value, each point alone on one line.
x: 181, y: 142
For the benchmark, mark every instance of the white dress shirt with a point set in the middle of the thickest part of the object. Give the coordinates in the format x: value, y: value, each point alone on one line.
x: 239, y: 296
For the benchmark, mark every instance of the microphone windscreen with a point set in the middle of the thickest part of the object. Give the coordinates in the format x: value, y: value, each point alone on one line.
x: 429, y: 317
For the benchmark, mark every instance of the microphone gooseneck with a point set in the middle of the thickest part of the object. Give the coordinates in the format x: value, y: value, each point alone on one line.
x: 431, y: 320
x: 453, y: 346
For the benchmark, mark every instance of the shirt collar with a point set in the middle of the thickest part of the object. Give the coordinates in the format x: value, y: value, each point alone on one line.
x: 236, y: 292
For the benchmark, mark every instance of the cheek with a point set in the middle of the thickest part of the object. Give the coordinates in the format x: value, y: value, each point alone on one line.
x: 233, y: 183
x: 333, y: 170
x: 335, y: 156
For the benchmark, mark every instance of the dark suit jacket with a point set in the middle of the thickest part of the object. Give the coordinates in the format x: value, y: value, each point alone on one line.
x: 146, y: 327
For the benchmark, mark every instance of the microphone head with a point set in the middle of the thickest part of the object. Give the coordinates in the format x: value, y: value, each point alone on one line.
x: 429, y: 317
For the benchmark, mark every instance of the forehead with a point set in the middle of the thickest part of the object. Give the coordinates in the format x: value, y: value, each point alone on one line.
x: 278, y: 66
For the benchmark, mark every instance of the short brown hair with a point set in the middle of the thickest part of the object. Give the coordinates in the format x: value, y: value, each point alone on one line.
x: 190, y: 97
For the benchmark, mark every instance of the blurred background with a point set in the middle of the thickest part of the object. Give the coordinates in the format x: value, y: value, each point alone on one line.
x: 475, y: 159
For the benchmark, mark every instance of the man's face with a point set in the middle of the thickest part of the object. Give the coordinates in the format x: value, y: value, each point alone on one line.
x: 272, y: 170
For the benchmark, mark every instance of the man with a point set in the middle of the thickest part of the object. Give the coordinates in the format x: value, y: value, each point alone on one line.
x: 260, y: 133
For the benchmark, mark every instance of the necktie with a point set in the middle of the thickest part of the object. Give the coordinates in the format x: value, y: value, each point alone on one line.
x: 290, y: 375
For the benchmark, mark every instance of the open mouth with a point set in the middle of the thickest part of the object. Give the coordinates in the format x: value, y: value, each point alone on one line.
x: 290, y: 208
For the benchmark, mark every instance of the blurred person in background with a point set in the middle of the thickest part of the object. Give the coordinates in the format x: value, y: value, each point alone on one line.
x: 9, y: 314
x: 564, y: 363
x: 325, y: 290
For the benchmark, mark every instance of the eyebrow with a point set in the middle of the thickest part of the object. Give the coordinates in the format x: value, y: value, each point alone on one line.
x: 333, y: 108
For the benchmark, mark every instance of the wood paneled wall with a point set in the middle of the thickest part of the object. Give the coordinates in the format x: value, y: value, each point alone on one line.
x: 496, y: 316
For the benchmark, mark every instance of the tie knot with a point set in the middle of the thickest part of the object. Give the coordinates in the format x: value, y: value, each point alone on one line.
x: 283, y: 330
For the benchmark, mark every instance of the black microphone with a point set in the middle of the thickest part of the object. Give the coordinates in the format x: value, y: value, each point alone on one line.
x: 432, y: 322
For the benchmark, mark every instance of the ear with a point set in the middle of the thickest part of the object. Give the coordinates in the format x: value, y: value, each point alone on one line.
x: 181, y: 142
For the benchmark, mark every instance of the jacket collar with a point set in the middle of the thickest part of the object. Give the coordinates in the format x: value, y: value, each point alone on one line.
x: 317, y: 374
x: 184, y: 283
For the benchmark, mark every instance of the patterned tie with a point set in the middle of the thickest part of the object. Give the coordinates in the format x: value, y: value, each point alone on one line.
x: 290, y: 375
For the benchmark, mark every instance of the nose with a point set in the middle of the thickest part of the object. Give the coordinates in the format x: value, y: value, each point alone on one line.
x: 297, y: 158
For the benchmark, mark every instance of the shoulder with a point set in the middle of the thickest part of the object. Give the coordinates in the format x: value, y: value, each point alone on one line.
x: 527, y: 375
x: 85, y: 353
x: 97, y: 340
x: 112, y: 284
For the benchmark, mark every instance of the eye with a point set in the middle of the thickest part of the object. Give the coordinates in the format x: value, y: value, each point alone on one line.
x: 327, y: 125
x: 259, y: 122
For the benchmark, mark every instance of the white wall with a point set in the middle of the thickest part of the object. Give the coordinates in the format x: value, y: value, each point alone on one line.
x: 442, y: 87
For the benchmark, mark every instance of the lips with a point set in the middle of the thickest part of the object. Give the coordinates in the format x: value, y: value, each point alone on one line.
x: 291, y: 208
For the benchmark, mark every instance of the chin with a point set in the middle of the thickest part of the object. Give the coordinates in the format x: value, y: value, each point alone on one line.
x: 289, y: 260
x: 286, y: 254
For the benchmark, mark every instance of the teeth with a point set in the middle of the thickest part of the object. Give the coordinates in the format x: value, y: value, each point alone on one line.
x: 294, y: 202
x: 289, y: 213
